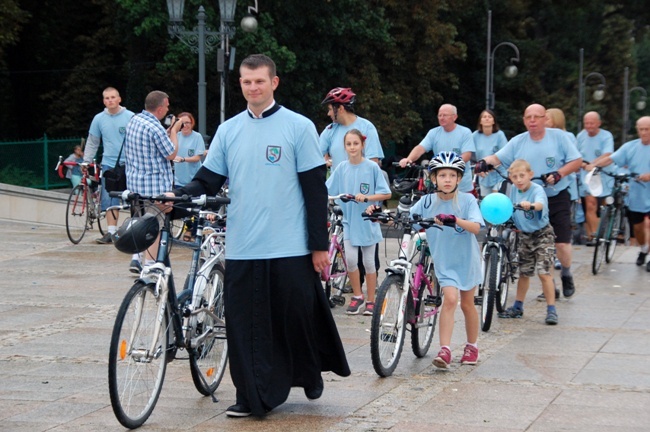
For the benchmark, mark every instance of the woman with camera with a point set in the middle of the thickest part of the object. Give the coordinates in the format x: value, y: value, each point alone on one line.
x: 191, y: 148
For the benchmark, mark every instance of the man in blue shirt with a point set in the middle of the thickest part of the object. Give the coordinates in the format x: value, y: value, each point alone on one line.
x: 449, y: 136
x: 281, y: 332
x: 552, y: 156
x: 635, y: 155
x: 108, y: 128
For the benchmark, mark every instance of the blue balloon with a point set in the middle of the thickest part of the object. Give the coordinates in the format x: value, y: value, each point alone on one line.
x: 496, y: 208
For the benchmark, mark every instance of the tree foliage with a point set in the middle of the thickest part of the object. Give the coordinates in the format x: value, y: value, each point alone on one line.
x: 403, y: 58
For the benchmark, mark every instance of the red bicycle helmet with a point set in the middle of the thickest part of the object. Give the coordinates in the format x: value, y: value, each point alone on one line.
x: 339, y: 95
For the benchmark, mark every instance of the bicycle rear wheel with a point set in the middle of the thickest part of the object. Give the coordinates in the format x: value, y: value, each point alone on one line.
x: 137, y: 362
x: 616, y: 228
x: 76, y: 214
x: 601, y: 241
x: 387, y: 326
x: 209, y: 357
x: 338, y: 278
x: 426, y: 316
x: 490, y: 281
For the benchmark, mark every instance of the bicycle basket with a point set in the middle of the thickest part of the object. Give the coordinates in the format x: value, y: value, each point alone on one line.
x: 136, y: 234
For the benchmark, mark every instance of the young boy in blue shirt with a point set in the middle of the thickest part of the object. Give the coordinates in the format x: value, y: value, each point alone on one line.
x: 536, y: 240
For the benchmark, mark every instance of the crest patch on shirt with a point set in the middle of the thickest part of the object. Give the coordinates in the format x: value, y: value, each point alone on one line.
x: 273, y: 153
x: 598, y: 153
x: 529, y: 214
x: 457, y: 151
x: 364, y: 188
x: 190, y: 152
x: 550, y: 161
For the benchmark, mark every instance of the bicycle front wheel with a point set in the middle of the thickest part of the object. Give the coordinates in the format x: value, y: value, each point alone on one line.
x: 601, y: 241
x: 617, y: 228
x: 99, y: 215
x: 426, y: 316
x: 387, y: 326
x: 209, y: 354
x: 490, y: 283
x: 76, y: 216
x: 138, y: 356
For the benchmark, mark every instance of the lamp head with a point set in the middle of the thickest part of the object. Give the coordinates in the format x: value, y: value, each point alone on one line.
x: 249, y: 23
x: 599, y: 94
x: 510, y: 71
x: 640, y: 105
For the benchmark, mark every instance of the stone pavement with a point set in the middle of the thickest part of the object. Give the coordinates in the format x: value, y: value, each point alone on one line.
x: 591, y: 372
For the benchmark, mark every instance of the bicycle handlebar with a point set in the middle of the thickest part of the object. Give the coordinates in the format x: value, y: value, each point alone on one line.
x: 380, y: 216
x: 202, y: 200
x: 344, y: 197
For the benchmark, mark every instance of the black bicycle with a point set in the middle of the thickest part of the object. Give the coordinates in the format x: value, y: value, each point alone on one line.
x: 153, y: 323
x: 613, y: 227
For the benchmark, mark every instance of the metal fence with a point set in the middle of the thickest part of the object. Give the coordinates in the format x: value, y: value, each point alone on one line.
x: 31, y: 163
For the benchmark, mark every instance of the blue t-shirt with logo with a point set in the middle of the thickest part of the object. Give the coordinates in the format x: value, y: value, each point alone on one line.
x: 530, y: 220
x: 592, y: 147
x: 635, y: 156
x: 362, y: 178
x: 188, y: 146
x: 458, y: 141
x: 487, y: 145
x: 455, y: 252
x: 549, y: 154
x: 111, y: 128
x: 331, y: 141
x: 262, y: 158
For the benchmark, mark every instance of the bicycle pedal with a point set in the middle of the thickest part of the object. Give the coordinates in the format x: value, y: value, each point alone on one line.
x: 338, y: 300
x: 433, y: 300
x: 478, y: 301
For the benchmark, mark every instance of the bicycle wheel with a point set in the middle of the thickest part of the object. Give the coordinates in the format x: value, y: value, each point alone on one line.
x: 137, y: 362
x: 98, y: 214
x: 338, y: 279
x: 601, y: 240
x: 208, y: 358
x: 387, y: 326
x: 426, y: 316
x: 178, y: 226
x: 490, y: 281
x: 76, y: 214
x: 615, y: 229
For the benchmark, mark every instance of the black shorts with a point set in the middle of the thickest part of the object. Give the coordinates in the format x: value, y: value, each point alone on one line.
x: 636, y: 218
x: 559, y: 212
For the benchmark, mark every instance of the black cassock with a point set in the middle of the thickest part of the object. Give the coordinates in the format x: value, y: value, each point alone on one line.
x: 280, y: 330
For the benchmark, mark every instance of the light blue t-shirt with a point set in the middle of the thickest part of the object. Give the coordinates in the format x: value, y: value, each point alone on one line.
x: 545, y: 156
x: 365, y: 178
x: 459, y: 141
x: 188, y: 146
x: 455, y: 252
x: 331, y: 141
x: 111, y: 129
x: 636, y: 157
x: 530, y: 220
x: 262, y: 158
x: 574, y: 192
x: 592, y: 147
x: 487, y: 145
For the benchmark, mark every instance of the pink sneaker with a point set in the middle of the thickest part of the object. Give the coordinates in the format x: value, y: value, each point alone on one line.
x: 443, y: 359
x: 470, y: 356
x: 355, y: 305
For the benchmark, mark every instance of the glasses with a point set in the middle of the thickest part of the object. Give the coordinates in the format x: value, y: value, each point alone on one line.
x: 534, y: 117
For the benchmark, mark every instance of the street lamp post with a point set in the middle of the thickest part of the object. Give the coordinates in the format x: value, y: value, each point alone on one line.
x: 599, y: 93
x: 640, y: 105
x: 510, y: 71
x: 202, y: 40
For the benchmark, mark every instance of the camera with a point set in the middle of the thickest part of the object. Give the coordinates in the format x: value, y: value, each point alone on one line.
x: 167, y: 121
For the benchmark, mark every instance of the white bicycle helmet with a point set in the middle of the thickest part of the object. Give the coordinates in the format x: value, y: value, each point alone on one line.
x: 449, y: 160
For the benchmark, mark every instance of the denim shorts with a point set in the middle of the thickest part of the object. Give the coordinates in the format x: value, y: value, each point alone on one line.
x: 107, y: 201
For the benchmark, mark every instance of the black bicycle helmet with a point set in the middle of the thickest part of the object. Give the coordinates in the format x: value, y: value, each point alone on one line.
x: 449, y: 160
x: 136, y: 234
x: 340, y: 95
x: 405, y: 186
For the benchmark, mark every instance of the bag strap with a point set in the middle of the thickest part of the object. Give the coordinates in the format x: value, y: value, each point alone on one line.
x: 119, y: 155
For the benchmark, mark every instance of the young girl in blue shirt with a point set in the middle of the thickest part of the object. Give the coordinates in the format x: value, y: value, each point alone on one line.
x: 454, y: 250
x: 362, y: 178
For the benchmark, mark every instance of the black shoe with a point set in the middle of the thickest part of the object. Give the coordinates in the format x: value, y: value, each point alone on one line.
x: 315, y: 392
x: 641, y: 258
x: 551, y: 318
x: 238, y: 410
x: 541, y: 297
x: 511, y: 312
x: 647, y: 266
x: 107, y: 239
x: 568, y: 288
x: 135, y: 267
